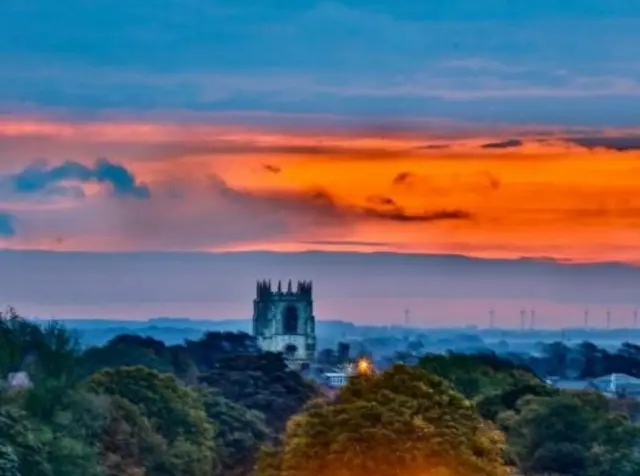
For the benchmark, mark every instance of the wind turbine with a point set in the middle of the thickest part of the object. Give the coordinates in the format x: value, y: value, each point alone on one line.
x: 586, y: 318
x: 532, y: 318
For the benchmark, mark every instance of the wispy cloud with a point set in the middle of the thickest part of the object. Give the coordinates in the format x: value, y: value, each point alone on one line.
x: 452, y: 61
x: 485, y: 65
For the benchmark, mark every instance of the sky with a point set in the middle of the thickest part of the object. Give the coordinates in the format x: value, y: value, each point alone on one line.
x: 491, y: 129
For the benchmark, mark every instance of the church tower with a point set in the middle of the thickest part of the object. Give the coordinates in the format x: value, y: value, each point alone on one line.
x: 283, y: 321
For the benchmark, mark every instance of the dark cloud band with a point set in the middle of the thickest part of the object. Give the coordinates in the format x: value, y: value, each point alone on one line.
x: 7, y: 225
x: 43, y: 178
x: 620, y: 144
x: 507, y: 144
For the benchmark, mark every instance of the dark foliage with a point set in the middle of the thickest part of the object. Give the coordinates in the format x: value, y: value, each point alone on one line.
x: 263, y: 383
x: 214, y: 346
x: 240, y: 433
x: 585, y: 360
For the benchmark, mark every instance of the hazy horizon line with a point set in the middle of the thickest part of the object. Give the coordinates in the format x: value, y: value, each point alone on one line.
x: 230, y: 320
x: 361, y: 253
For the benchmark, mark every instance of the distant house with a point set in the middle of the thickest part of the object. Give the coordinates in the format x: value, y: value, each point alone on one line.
x: 19, y: 380
x: 568, y: 384
x: 336, y: 379
x: 618, y: 385
x: 613, y: 385
x: 339, y: 377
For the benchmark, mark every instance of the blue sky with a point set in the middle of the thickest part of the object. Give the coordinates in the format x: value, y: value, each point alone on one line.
x: 569, y: 62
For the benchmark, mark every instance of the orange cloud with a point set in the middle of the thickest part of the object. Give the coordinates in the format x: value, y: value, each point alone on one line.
x: 490, y: 195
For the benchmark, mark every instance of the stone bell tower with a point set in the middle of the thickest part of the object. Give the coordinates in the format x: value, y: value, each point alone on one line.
x: 283, y: 321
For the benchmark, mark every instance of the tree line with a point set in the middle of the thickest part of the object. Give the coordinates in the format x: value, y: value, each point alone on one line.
x: 585, y: 360
x: 217, y: 406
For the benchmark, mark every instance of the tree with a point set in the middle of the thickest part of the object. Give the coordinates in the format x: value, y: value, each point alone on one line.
x: 401, y: 422
x: 557, y: 357
x: 126, y: 351
x: 42, y: 449
x: 571, y: 434
x: 240, y: 433
x: 269, y: 461
x: 478, y: 375
x: 593, y: 360
x: 129, y: 445
x: 41, y: 425
x: 9, y: 464
x: 263, y: 383
x: 72, y: 457
x: 44, y: 351
x: 213, y: 346
x: 491, y: 406
x: 24, y: 440
x: 174, y: 412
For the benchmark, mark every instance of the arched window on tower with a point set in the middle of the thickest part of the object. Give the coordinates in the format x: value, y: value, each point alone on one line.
x: 290, y: 321
x: 290, y: 351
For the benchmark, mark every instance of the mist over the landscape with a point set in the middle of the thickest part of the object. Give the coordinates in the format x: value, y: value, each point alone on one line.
x: 368, y: 288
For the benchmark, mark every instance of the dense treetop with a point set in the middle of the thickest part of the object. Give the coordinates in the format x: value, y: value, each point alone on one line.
x: 401, y: 422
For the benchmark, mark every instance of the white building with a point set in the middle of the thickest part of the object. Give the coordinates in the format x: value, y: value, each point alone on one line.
x: 340, y: 377
x: 336, y: 379
x: 19, y: 380
x: 613, y: 385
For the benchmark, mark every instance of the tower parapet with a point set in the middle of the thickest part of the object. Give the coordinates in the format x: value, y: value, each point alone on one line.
x: 264, y: 289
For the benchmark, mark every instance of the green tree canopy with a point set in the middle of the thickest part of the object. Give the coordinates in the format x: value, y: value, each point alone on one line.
x: 47, y: 427
x: 40, y: 449
x: 240, y: 433
x: 476, y: 375
x: 263, y: 383
x: 44, y: 351
x: 176, y: 413
x: 129, y: 445
x: 9, y: 463
x: 24, y: 441
x: 214, y: 346
x: 401, y: 422
x: 493, y: 405
x: 128, y: 351
x: 573, y: 434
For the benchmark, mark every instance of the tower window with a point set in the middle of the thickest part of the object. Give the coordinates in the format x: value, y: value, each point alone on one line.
x: 290, y: 351
x: 290, y: 321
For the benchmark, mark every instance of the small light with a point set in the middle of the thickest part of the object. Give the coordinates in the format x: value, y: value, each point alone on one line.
x: 364, y: 367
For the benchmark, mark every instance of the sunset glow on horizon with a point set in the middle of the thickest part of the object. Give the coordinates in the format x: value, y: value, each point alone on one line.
x: 221, y: 188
